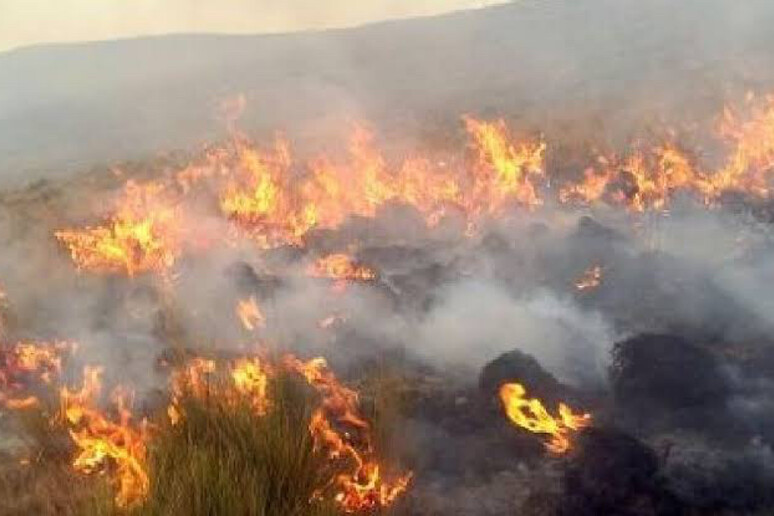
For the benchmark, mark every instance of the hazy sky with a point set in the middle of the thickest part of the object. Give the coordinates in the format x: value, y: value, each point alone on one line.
x: 25, y: 22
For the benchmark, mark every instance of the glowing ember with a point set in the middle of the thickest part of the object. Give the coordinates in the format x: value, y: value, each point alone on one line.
x: 142, y: 235
x: 245, y: 380
x: 531, y: 415
x: 750, y: 165
x: 590, y: 279
x: 250, y: 314
x: 251, y: 380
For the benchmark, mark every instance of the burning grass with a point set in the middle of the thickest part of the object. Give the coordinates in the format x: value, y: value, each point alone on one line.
x: 242, y: 436
x: 223, y: 458
x: 242, y: 428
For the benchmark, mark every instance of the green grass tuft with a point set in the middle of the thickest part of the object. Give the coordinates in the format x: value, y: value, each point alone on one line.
x: 225, y: 459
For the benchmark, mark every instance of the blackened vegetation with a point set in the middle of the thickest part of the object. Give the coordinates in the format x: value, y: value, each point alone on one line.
x: 664, y: 381
x: 611, y: 472
x: 681, y: 416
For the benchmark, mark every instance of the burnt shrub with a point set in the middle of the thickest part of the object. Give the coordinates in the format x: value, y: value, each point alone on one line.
x: 665, y: 379
x: 610, y: 472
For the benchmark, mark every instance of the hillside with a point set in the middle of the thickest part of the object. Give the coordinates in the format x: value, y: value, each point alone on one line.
x: 552, y: 63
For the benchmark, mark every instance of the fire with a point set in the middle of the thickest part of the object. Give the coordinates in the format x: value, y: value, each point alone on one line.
x: 648, y: 179
x: 250, y: 314
x: 251, y: 379
x: 362, y: 488
x: 591, y: 279
x: 642, y: 181
x: 246, y: 379
x: 505, y: 171
x: 751, y: 162
x: 340, y: 267
x: 104, y: 444
x: 278, y: 207
x: 531, y: 415
x: 336, y: 425
x: 25, y: 363
x: 276, y: 199
x: 142, y: 235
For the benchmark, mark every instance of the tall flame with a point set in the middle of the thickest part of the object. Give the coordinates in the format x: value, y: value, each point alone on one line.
x: 104, y: 443
x: 362, y: 488
x: 505, y: 171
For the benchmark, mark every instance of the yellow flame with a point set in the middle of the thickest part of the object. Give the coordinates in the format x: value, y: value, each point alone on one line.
x: 531, y: 415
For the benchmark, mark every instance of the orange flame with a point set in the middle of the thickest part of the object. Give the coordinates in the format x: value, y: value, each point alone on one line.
x: 362, y: 488
x: 531, y: 415
x: 250, y: 314
x: 340, y: 267
x: 591, y: 279
x: 27, y: 362
x: 143, y: 234
x: 505, y: 172
x: 104, y: 443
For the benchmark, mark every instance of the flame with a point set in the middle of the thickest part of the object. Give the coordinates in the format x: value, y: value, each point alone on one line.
x: 277, y: 207
x: 648, y: 179
x: 340, y: 267
x: 275, y: 199
x: 591, y: 279
x: 505, y: 171
x: 642, y: 181
x: 531, y: 415
x: 25, y: 363
x: 246, y: 379
x: 115, y: 442
x: 250, y: 314
x: 751, y: 162
x: 251, y: 379
x: 103, y: 443
x: 142, y: 235
x: 362, y: 488
x: 191, y: 379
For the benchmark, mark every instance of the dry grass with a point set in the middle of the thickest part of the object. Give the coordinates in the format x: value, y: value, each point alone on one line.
x: 221, y: 459
x: 225, y: 459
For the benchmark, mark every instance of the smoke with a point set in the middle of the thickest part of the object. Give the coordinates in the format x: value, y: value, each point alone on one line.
x: 559, y: 67
x: 447, y: 304
x: 475, y: 322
